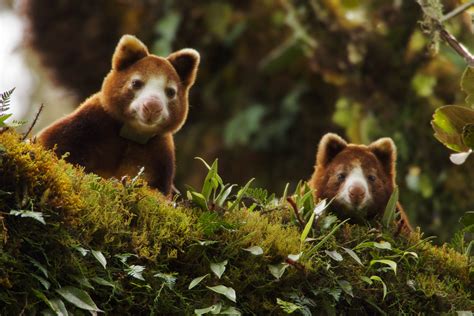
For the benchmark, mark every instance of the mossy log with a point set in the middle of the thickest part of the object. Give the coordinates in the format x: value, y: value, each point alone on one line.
x: 135, y: 252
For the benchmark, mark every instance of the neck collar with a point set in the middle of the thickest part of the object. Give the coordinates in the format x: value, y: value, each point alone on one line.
x: 131, y: 134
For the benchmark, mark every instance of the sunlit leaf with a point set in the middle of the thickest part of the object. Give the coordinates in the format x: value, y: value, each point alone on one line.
x: 38, y: 216
x: 230, y: 311
x: 334, y: 255
x: 224, y: 290
x: 287, y: 307
x: 277, y: 270
x: 255, y: 250
x: 351, y: 253
x: 213, y: 309
x: 196, y: 281
x: 378, y: 279
x: 307, y: 228
x: 448, y: 123
x: 78, y: 298
x: 392, y: 264
x: 100, y: 257
x: 295, y: 257
x: 136, y: 271
x: 218, y: 268
x: 168, y: 278
x: 390, y: 212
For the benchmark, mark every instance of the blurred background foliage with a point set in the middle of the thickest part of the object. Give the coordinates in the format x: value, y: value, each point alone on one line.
x: 278, y: 74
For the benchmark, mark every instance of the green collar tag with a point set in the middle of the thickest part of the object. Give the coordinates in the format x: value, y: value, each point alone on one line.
x: 129, y: 133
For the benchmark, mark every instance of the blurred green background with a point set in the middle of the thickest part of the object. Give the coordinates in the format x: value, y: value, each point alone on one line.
x: 277, y: 75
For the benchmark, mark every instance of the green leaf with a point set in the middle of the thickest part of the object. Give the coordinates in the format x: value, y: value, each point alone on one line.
x: 210, y: 182
x: 100, y: 257
x: 224, y: 290
x: 468, y: 135
x: 378, y: 279
x: 346, y: 287
x: 38, y: 216
x: 277, y: 270
x: 307, y: 228
x: 390, y: 212
x: 383, y: 245
x: 136, y: 271
x: 448, y: 123
x: 42, y: 280
x: 196, y: 281
x: 207, y: 242
x: 392, y: 264
x: 224, y: 194
x: 82, y: 251
x: 314, y: 249
x: 199, y: 200
x: 57, y: 307
x: 255, y: 250
x: 230, y: 311
x: 103, y: 282
x: 168, y: 278
x: 334, y: 255
x: 40, y: 267
x: 467, y: 219
x: 218, y: 268
x: 241, y: 194
x: 287, y: 307
x: 214, y: 309
x: 78, y: 298
x: 354, y: 256
x: 467, y: 84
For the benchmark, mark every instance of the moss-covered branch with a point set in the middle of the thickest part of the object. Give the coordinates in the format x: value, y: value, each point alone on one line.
x: 134, y: 252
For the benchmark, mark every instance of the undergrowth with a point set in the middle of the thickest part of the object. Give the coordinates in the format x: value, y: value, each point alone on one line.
x: 72, y: 242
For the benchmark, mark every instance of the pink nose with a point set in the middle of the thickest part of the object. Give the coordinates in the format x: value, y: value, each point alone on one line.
x: 152, y: 108
x: 356, y: 193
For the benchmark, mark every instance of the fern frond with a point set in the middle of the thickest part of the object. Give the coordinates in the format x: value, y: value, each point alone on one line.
x: 5, y: 98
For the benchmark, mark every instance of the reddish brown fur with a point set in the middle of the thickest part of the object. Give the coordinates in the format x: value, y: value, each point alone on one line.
x: 91, y: 133
x: 334, y: 155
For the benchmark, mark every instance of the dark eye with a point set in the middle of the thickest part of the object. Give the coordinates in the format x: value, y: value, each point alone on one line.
x: 341, y: 176
x: 136, y: 84
x: 372, y: 178
x: 170, y: 92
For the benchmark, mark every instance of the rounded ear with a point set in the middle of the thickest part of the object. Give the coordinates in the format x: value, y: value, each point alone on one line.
x: 385, y: 151
x: 329, y: 146
x: 186, y: 62
x: 128, y: 51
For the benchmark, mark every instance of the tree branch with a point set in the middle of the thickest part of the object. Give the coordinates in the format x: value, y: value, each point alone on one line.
x: 34, y: 122
x: 457, y: 11
x: 456, y: 45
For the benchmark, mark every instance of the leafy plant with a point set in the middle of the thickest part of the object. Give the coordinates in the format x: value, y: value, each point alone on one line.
x: 215, y: 195
x: 5, y: 99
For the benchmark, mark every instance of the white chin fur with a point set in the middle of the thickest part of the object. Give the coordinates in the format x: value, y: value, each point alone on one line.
x: 355, y: 176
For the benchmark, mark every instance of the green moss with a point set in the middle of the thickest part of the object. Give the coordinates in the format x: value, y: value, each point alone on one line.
x: 167, y: 240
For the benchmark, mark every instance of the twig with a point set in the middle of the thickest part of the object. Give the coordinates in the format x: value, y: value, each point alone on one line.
x: 297, y: 213
x: 34, y: 122
x: 456, y: 45
x: 457, y: 11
